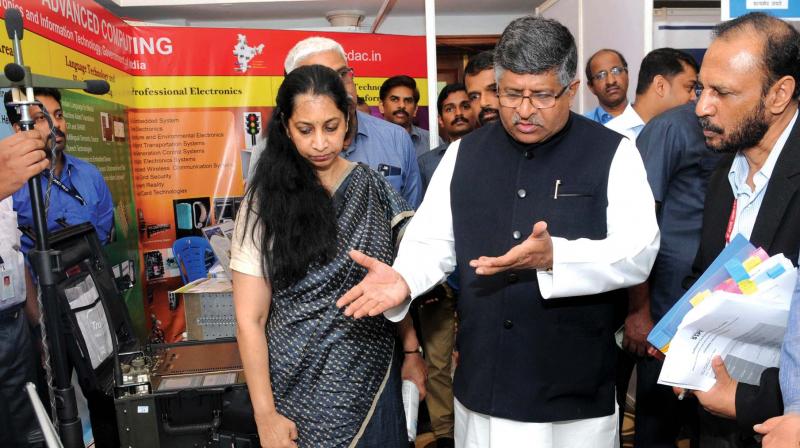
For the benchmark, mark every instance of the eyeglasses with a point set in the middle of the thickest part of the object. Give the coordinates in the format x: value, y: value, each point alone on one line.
x: 538, y: 100
x: 602, y: 74
x: 345, y: 72
x: 698, y: 90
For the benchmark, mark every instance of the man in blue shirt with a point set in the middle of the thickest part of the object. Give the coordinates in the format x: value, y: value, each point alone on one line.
x: 784, y: 431
x: 607, y: 78
x: 385, y: 147
x: 74, y: 190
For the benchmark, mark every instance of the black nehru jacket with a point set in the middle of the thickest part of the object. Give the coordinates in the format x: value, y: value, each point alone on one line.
x: 522, y: 357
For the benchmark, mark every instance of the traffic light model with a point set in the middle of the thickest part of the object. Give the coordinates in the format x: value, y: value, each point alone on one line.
x: 252, y: 125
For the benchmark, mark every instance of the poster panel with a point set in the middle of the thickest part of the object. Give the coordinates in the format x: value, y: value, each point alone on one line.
x: 185, y: 107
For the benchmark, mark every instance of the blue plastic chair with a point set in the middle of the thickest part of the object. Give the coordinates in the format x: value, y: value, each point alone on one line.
x: 194, y: 257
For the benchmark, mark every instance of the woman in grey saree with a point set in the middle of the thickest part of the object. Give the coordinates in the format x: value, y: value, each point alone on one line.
x: 326, y: 372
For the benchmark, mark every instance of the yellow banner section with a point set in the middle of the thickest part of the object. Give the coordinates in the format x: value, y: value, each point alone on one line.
x: 46, y: 57
x: 49, y: 58
x: 159, y: 92
x: 369, y: 89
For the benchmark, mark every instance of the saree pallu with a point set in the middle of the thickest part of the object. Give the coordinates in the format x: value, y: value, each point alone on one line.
x: 328, y: 370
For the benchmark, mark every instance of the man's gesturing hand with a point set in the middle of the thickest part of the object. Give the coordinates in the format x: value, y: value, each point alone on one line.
x: 536, y: 252
x: 381, y: 289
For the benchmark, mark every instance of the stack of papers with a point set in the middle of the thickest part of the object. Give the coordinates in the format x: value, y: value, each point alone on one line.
x: 738, y: 309
x: 219, y: 237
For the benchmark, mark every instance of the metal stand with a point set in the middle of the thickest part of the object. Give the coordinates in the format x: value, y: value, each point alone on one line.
x: 46, y: 261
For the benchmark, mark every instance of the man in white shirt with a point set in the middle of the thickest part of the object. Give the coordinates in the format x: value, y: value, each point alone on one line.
x: 667, y: 78
x: 21, y: 156
x: 535, y: 333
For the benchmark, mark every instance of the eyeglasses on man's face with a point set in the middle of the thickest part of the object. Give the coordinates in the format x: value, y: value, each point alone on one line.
x: 539, y: 100
x: 603, y: 74
x: 344, y: 72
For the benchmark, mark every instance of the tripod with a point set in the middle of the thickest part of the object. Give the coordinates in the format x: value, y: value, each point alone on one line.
x: 45, y: 261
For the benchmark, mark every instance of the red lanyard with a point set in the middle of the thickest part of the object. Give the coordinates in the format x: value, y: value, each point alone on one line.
x: 731, y: 222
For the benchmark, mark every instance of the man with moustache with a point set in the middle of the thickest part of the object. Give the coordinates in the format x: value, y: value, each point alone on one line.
x: 454, y: 107
x: 437, y: 311
x: 78, y: 193
x: 482, y: 88
x: 607, y: 78
x: 399, y: 98
x: 535, y: 339
x: 747, y: 104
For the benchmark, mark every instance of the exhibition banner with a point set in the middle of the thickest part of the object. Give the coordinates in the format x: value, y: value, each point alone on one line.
x: 55, y: 45
x: 200, y: 101
x: 174, y: 135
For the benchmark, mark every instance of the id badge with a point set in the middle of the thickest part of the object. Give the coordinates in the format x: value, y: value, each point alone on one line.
x: 7, y: 282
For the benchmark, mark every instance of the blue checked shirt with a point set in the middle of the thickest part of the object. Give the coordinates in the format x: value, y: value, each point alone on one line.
x: 387, y: 148
x: 790, y: 358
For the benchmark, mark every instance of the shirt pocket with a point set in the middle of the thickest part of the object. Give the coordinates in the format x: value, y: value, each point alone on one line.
x: 571, y: 203
x: 573, y: 189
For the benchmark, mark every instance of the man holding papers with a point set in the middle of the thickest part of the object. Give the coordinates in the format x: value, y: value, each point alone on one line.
x: 747, y: 104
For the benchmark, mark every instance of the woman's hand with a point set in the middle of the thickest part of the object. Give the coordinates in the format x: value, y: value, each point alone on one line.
x: 277, y: 431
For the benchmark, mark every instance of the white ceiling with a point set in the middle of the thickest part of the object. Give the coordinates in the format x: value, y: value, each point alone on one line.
x: 204, y: 11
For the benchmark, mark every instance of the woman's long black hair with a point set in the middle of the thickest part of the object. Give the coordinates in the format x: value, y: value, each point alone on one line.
x: 286, y: 196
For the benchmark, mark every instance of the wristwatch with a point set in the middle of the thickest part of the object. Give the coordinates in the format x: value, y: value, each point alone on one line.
x: 417, y: 350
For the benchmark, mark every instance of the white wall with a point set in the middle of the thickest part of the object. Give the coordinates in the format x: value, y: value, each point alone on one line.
x: 623, y: 25
x: 684, y: 28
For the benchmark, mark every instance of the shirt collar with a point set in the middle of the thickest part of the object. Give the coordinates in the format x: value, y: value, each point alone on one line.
x: 68, y: 165
x: 629, y: 119
x: 415, y: 132
x: 362, y: 130
x: 602, y: 116
x: 362, y: 123
x: 737, y: 175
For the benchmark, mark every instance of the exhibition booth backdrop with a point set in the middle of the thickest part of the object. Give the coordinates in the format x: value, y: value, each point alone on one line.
x: 170, y: 138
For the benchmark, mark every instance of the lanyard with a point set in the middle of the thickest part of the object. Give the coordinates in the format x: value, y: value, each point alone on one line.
x: 731, y: 222
x: 71, y: 190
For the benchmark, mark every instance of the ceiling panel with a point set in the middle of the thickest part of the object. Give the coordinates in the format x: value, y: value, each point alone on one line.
x: 232, y: 10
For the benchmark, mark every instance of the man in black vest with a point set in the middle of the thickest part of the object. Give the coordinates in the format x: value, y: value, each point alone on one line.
x: 748, y: 105
x: 536, y: 365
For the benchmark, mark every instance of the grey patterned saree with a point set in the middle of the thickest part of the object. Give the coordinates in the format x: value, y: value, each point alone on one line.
x: 327, y: 369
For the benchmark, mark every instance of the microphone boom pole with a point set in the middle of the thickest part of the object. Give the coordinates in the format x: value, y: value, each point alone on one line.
x: 46, y: 262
